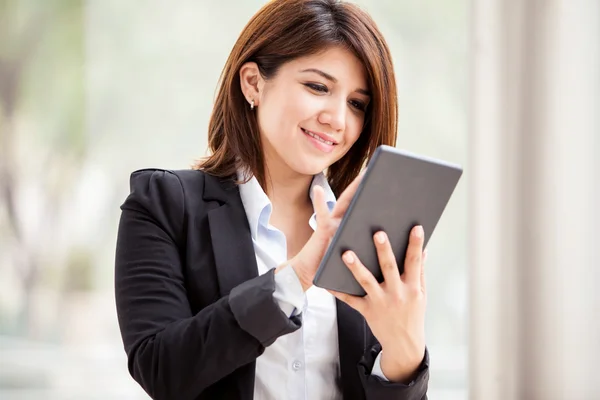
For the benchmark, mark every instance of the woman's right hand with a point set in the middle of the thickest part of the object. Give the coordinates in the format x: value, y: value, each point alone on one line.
x: 306, y: 262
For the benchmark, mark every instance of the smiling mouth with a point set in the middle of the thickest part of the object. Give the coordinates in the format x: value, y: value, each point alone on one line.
x: 319, y: 138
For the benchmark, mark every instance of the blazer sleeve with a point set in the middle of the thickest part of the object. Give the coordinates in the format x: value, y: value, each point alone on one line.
x: 380, y: 389
x: 172, y: 353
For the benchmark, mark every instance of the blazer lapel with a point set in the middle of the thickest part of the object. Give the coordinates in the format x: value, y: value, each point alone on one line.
x: 352, y: 346
x: 235, y: 260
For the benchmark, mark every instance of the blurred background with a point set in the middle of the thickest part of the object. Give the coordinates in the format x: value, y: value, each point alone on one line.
x: 91, y: 90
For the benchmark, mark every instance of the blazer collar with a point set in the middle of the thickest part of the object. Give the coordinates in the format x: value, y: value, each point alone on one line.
x: 223, y: 190
x: 235, y: 260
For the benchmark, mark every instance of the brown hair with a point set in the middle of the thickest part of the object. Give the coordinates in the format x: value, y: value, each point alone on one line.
x: 280, y: 32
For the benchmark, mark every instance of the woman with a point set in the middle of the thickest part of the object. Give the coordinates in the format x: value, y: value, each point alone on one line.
x: 214, y: 265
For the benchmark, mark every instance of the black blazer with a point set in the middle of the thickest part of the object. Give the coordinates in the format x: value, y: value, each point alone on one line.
x: 194, y: 314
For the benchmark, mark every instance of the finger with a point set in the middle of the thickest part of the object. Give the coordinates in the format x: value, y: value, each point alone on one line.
x: 412, y: 262
x: 363, y: 276
x: 387, y: 260
x: 358, y: 303
x: 424, y: 263
x: 320, y: 207
x: 343, y: 202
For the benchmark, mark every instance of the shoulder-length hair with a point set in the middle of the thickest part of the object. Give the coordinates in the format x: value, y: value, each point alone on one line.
x: 284, y: 30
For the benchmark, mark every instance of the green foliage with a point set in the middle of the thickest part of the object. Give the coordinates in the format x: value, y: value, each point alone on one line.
x: 42, y: 103
x: 80, y: 271
x: 42, y: 70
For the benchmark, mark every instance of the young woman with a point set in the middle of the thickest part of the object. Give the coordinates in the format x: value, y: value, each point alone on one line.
x: 214, y: 265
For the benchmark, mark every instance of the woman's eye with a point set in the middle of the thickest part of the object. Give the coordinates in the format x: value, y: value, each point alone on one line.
x: 317, y: 87
x: 359, y: 105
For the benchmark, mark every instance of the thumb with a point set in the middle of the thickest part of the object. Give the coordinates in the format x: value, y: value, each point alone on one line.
x: 325, y: 223
x: 320, y: 207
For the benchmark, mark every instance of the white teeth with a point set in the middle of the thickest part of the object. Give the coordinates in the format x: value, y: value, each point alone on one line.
x: 318, y: 137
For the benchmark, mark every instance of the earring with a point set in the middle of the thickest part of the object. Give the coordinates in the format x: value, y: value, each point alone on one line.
x: 252, y: 104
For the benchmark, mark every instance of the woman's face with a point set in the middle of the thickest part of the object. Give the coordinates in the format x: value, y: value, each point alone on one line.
x: 312, y: 111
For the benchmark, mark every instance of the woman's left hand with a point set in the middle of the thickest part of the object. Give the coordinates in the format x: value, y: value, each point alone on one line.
x: 394, y: 309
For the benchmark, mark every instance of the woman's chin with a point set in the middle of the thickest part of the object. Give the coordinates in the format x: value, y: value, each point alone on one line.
x: 311, y: 167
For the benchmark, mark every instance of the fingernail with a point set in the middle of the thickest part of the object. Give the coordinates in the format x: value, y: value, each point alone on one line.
x: 348, y: 257
x: 418, y: 231
x: 425, y: 256
x: 380, y: 237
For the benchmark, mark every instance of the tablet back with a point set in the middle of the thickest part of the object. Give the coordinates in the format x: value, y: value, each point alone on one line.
x: 399, y: 190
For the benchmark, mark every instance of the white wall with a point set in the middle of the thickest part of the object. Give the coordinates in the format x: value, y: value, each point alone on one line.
x: 534, y: 150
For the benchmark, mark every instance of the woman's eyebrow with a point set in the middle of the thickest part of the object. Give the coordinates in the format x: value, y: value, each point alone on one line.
x: 322, y: 73
x: 331, y: 78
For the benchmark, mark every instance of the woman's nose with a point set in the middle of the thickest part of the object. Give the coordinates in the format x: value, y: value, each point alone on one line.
x: 334, y: 115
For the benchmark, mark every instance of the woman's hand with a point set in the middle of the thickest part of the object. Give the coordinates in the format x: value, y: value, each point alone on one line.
x: 306, y: 262
x: 394, y: 309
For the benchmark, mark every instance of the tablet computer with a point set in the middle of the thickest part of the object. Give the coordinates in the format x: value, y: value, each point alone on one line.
x: 398, y: 191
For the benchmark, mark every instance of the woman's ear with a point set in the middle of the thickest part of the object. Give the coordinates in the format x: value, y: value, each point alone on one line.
x: 251, y: 82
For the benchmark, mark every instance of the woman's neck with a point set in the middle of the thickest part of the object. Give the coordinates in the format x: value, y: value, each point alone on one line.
x: 286, y: 188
